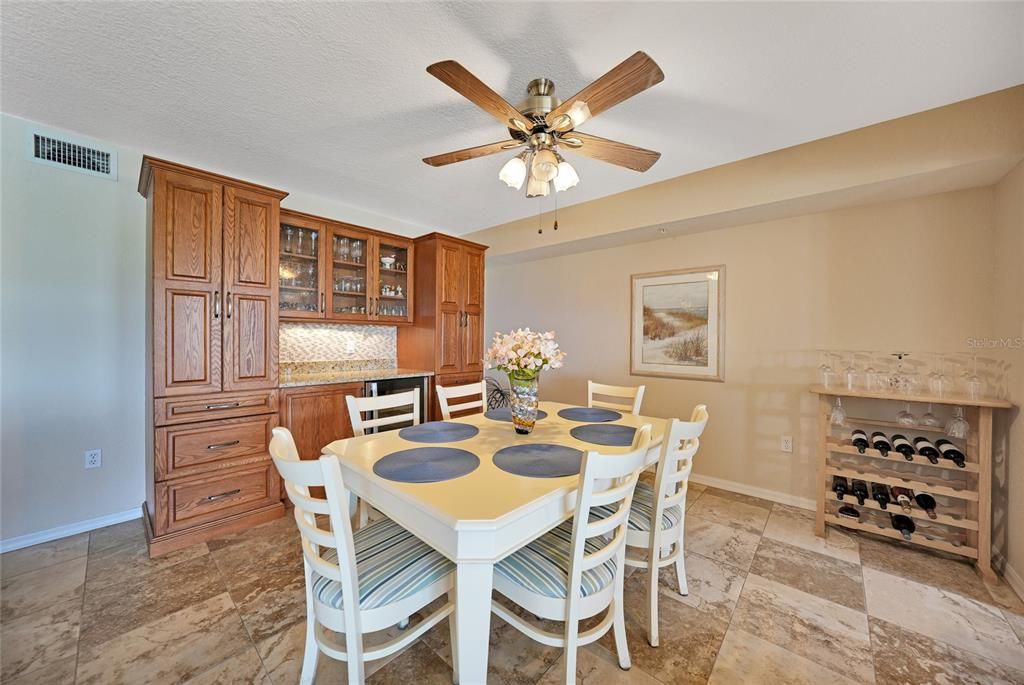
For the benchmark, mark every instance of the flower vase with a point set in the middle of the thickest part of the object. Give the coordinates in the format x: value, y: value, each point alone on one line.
x: 524, y: 400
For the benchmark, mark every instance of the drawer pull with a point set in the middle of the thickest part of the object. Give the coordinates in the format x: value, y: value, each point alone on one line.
x: 214, y: 498
x: 225, y: 405
x: 222, y: 445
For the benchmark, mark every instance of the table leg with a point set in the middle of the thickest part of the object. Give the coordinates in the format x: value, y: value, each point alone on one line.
x: 473, y: 583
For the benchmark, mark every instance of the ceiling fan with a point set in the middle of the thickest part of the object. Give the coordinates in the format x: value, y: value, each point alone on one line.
x: 545, y: 124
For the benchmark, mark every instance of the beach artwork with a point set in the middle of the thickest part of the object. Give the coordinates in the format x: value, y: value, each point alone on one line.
x: 676, y: 326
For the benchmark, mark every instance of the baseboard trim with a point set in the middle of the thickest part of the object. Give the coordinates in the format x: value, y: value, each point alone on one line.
x: 1014, y: 580
x: 11, y: 544
x: 753, y: 491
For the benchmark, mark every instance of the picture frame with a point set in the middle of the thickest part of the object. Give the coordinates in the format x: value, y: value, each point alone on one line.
x: 677, y: 324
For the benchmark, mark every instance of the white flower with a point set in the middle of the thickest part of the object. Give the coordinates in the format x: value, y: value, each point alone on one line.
x: 524, y: 350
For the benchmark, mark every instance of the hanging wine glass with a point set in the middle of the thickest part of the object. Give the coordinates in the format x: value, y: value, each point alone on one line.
x: 838, y: 415
x: 906, y: 417
x: 930, y: 419
x: 973, y: 382
x: 850, y: 375
x: 957, y: 426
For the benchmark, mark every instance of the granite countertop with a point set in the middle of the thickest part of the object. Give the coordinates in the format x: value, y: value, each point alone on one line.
x: 295, y: 380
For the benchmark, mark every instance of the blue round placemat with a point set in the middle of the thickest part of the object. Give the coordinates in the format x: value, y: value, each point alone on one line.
x: 426, y: 464
x: 589, y: 414
x: 505, y: 414
x: 540, y: 460
x: 614, y: 435
x: 438, y: 431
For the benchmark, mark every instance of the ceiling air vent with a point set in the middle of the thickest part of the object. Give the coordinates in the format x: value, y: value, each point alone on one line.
x: 61, y: 151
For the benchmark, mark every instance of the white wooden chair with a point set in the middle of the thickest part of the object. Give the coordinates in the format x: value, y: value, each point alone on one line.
x: 356, y: 583
x: 478, y: 391
x: 357, y: 406
x: 575, y: 571
x: 665, y: 503
x: 630, y: 398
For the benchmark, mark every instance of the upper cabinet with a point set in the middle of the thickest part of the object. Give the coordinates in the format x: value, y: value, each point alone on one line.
x: 337, y: 272
x: 214, y: 280
x: 447, y: 336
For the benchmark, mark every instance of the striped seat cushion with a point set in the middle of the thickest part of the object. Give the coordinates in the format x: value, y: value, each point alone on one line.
x: 643, y: 509
x: 392, y: 564
x: 542, y: 566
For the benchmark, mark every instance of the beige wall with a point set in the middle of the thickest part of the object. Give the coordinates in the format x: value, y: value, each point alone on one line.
x: 1008, y: 517
x: 907, y: 275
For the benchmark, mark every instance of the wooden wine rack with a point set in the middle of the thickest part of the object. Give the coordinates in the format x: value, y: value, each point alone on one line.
x: 975, y: 491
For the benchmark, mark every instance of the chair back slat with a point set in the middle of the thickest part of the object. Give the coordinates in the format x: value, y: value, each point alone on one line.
x: 620, y: 397
x: 681, y: 442
x: 478, y: 391
x: 593, y: 559
x: 303, y: 500
x: 357, y: 406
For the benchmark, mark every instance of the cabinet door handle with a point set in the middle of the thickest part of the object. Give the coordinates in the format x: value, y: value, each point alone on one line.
x: 222, y: 445
x: 225, y: 405
x: 229, y: 304
x: 216, y: 304
x: 323, y: 302
x: 214, y: 498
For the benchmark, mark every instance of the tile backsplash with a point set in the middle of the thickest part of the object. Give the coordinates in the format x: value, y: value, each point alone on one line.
x: 318, y: 342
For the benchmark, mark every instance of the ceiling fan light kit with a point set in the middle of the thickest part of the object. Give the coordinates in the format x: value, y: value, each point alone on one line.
x: 543, y: 123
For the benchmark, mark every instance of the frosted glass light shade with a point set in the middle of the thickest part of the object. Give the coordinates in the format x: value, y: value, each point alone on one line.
x: 545, y: 165
x: 514, y: 172
x: 537, y: 187
x: 567, y: 176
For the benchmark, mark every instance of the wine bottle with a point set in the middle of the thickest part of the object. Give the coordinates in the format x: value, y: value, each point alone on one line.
x: 848, y: 512
x: 904, y: 524
x: 903, y: 496
x: 860, y: 440
x: 903, y: 446
x: 951, y: 452
x: 880, y: 493
x: 925, y: 448
x: 926, y: 502
x: 840, y: 486
x: 860, y: 491
x: 881, y: 443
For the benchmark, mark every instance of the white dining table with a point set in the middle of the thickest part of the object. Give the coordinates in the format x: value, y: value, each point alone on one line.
x: 479, y: 518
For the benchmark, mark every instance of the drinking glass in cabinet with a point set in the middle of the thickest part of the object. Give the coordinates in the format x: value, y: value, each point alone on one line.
x: 288, y: 239
x: 357, y: 251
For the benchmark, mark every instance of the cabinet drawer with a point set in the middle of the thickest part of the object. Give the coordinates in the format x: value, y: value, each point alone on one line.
x: 197, y: 448
x: 188, y: 502
x: 171, y: 411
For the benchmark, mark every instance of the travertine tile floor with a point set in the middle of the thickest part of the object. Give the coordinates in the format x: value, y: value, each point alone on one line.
x: 769, y: 603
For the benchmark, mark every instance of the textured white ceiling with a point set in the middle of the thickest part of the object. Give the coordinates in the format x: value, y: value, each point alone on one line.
x: 332, y: 98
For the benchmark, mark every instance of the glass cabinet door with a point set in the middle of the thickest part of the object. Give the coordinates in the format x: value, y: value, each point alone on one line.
x: 349, y: 275
x: 394, y: 264
x: 299, y: 268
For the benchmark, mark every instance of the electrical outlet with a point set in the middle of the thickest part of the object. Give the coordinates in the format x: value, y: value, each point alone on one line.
x: 786, y: 443
x: 93, y: 459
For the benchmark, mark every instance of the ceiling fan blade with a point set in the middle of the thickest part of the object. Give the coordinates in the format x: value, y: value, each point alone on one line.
x: 471, y: 153
x: 457, y: 77
x: 635, y: 75
x: 611, y: 151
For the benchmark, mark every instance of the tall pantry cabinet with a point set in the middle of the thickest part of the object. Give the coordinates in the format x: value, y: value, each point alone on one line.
x: 447, y: 335
x: 212, y: 329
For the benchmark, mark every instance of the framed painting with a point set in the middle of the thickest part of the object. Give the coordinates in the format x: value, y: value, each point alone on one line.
x: 677, y: 327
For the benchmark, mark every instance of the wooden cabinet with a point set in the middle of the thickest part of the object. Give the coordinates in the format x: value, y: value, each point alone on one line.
x: 447, y: 335
x: 214, y: 317
x: 338, y: 272
x: 317, y: 415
